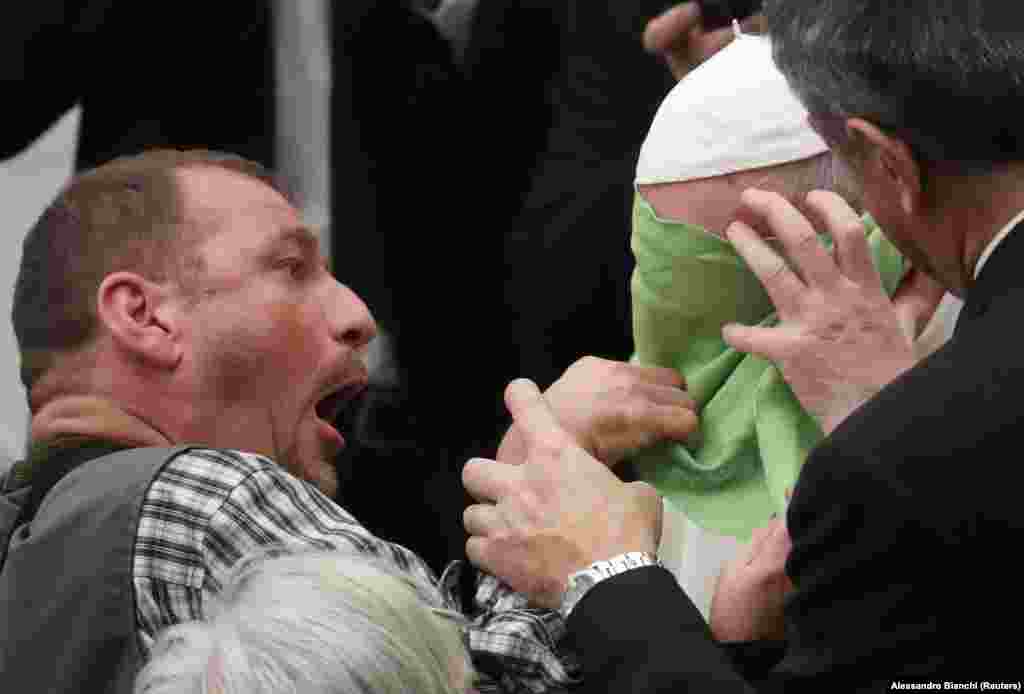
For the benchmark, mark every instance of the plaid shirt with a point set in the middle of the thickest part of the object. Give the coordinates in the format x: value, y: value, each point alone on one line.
x: 208, y: 508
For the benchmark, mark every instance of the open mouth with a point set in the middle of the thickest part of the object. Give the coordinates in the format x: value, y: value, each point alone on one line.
x: 331, y: 408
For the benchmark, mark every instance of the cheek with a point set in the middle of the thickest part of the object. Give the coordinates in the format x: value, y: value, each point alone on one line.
x: 294, y: 338
x: 260, y: 351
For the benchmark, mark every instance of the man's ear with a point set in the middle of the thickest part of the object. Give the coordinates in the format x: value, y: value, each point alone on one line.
x: 891, y: 159
x: 139, y: 319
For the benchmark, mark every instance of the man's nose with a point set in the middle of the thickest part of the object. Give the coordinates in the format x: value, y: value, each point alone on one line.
x: 352, y: 323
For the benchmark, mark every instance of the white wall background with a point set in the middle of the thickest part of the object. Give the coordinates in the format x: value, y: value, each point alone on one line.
x: 27, y: 184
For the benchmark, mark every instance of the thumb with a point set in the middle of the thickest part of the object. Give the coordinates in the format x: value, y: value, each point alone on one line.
x: 533, y: 416
x: 670, y: 27
x: 915, y: 301
x: 763, y: 342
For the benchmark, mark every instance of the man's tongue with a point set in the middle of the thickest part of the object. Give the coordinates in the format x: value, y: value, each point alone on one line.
x: 329, y: 434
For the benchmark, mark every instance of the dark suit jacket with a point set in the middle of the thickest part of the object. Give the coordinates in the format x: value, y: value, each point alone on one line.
x: 567, y: 262
x: 905, y: 523
x: 197, y: 74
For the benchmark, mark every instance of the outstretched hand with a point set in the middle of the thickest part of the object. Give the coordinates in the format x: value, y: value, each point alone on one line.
x: 613, y: 409
x: 678, y: 36
x: 840, y: 339
x: 557, y: 512
x: 750, y: 594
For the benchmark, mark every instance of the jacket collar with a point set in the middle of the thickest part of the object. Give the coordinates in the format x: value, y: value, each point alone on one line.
x: 1002, y: 271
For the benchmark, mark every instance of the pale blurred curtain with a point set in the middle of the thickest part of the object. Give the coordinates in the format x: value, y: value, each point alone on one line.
x: 28, y: 183
x: 303, y: 67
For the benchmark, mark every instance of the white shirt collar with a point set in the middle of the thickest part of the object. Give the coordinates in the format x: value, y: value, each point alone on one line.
x: 999, y: 238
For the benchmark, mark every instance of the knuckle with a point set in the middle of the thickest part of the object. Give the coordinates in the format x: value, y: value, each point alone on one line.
x: 807, y: 240
x: 530, y: 505
x: 510, y: 389
x: 850, y: 231
x: 619, y: 373
x: 547, y: 449
x: 635, y: 390
x: 687, y: 422
x: 621, y: 417
x: 645, y: 492
x: 766, y: 199
x: 476, y: 550
x: 469, y: 473
x: 667, y: 376
x: 822, y: 197
x: 755, y: 197
x: 775, y: 271
x: 636, y: 411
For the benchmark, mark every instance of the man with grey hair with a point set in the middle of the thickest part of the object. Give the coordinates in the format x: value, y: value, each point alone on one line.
x: 896, y: 515
x: 312, y: 623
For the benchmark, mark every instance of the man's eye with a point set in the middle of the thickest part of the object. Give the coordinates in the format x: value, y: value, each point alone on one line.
x: 295, y: 266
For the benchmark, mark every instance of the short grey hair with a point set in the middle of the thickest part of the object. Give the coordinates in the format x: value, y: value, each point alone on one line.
x: 914, y: 68
x: 795, y: 179
x: 314, y: 622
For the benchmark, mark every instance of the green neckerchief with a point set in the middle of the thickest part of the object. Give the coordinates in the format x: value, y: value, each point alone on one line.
x: 754, y: 436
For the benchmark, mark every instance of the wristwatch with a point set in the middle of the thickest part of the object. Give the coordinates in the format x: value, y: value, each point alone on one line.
x: 585, y: 579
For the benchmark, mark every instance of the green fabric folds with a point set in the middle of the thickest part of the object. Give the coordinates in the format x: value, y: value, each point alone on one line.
x: 687, y: 284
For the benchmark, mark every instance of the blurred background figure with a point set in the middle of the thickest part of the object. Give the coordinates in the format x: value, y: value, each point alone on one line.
x: 313, y: 623
x: 27, y: 184
x: 573, y: 92
x: 688, y: 33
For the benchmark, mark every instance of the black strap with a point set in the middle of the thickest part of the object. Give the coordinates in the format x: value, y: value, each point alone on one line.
x: 55, y: 467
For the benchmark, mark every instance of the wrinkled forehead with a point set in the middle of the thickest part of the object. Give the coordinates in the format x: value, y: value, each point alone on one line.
x: 215, y: 200
x: 733, y: 113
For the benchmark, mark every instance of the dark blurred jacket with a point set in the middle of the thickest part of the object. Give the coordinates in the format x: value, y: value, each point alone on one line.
x: 200, y: 75
x: 565, y: 249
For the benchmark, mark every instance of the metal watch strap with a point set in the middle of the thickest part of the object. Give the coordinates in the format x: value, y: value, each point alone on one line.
x: 582, y: 581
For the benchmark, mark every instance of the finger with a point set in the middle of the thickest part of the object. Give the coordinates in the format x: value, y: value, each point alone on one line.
x: 704, y: 44
x: 754, y: 24
x: 664, y: 422
x: 697, y: 47
x: 644, y: 426
x: 782, y: 285
x: 531, y: 414
x: 915, y: 301
x: 774, y: 344
x: 658, y: 394
x: 477, y: 552
x: 489, y: 480
x: 482, y: 519
x: 668, y: 28
x: 657, y: 374
x: 762, y: 536
x: 805, y: 251
x: 776, y: 546
x: 759, y: 537
x: 847, y: 230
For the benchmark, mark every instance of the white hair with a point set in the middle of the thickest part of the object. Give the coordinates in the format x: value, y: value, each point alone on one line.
x: 795, y: 179
x: 314, y: 622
